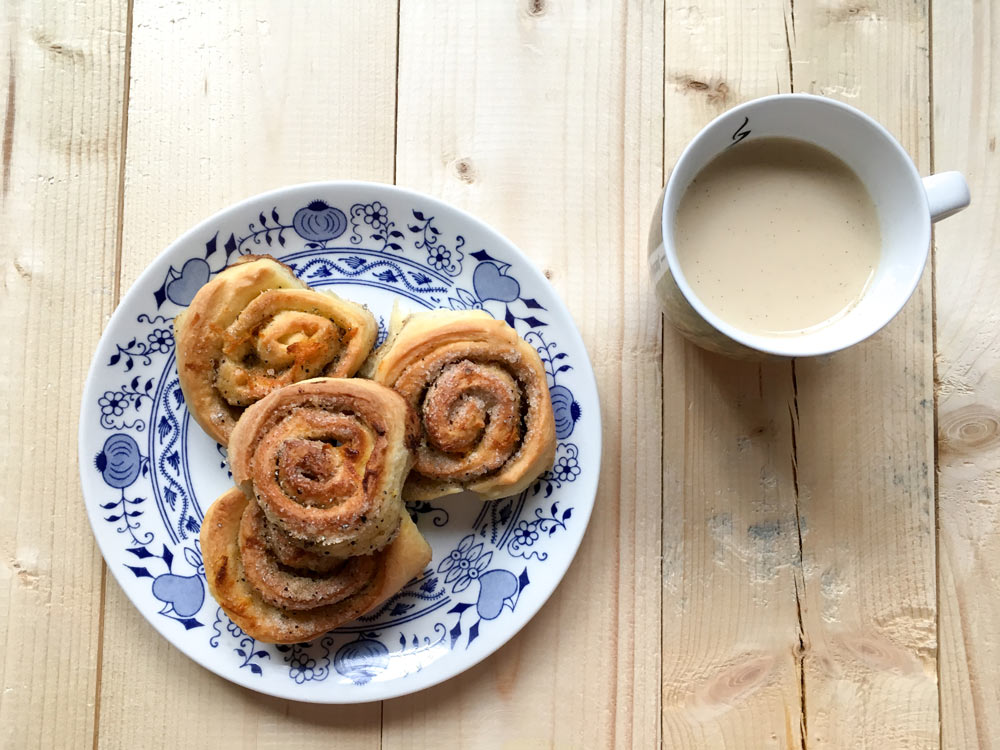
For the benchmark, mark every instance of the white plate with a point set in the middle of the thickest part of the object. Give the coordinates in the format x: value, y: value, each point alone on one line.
x: 149, y: 472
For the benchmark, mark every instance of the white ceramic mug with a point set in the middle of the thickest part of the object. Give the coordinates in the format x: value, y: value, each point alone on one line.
x: 906, y: 206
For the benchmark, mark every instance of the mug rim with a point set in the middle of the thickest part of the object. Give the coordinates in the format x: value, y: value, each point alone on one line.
x: 798, y: 345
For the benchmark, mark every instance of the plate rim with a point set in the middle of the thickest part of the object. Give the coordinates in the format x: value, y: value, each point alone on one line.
x: 412, y: 683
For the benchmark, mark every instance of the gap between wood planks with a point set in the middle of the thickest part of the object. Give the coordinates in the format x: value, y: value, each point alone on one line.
x: 793, y: 414
x: 934, y: 357
x: 800, y: 656
x: 116, y: 297
x: 663, y: 387
x: 395, y: 163
x: 395, y: 140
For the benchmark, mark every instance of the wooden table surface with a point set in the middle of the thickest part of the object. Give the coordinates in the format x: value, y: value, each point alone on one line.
x: 809, y: 556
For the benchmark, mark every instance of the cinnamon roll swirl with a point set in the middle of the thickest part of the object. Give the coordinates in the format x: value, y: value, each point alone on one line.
x: 316, y: 533
x: 295, y: 606
x: 256, y: 327
x: 326, y: 459
x: 482, y: 398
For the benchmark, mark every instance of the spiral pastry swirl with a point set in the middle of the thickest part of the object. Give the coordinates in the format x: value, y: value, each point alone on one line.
x: 482, y: 398
x: 296, y: 588
x: 254, y: 328
x: 326, y: 460
x: 317, y: 525
x: 292, y: 605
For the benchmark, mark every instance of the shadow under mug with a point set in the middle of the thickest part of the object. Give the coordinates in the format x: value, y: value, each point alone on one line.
x: 906, y: 205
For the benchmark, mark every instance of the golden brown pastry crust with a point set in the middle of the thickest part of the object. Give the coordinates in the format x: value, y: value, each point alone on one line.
x: 482, y: 397
x: 315, y: 534
x: 326, y: 460
x: 295, y: 587
x: 256, y: 327
x: 397, y: 564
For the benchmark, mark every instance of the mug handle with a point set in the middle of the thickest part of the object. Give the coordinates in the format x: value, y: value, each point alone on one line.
x: 947, y: 194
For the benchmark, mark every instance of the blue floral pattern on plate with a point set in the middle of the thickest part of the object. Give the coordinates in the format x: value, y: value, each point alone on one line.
x: 148, y: 472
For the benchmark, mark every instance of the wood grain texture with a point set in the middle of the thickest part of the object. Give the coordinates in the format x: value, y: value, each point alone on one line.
x: 864, y: 433
x: 61, y: 81
x: 731, y: 549
x: 544, y: 119
x: 227, y: 100
x: 836, y: 646
x: 966, y: 130
x: 763, y: 577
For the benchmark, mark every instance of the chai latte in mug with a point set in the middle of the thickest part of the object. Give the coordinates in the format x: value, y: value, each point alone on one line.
x: 777, y: 236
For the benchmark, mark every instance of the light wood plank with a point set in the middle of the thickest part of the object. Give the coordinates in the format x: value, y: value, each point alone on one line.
x: 865, y: 433
x: 731, y: 548
x: 61, y: 84
x: 842, y: 649
x: 966, y: 130
x: 227, y: 100
x: 544, y: 118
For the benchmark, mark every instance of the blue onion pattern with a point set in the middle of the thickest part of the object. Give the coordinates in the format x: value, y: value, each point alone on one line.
x: 119, y: 461
x: 566, y: 409
x: 361, y: 660
x: 319, y: 222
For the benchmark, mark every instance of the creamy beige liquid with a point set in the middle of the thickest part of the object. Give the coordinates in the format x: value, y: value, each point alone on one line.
x: 777, y: 236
